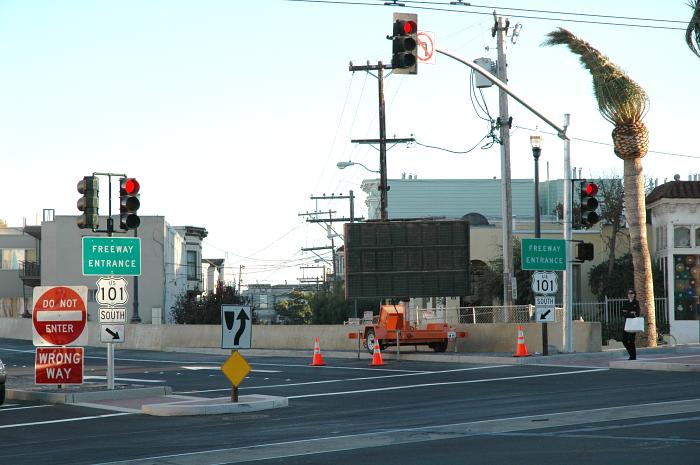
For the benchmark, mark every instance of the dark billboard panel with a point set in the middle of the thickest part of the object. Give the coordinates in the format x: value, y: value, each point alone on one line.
x: 407, y: 258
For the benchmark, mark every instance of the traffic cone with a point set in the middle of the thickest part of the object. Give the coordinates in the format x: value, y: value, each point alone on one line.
x: 521, y: 350
x: 317, y: 361
x: 376, y: 355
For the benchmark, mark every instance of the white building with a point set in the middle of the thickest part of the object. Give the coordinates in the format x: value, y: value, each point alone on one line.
x: 675, y: 239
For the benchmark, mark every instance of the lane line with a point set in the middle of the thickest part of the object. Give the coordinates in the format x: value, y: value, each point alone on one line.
x: 445, y: 383
x: 361, y: 441
x: 12, y: 407
x: 64, y: 420
x: 136, y: 380
x: 365, y: 378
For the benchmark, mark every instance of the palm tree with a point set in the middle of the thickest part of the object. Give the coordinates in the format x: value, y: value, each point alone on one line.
x: 622, y: 102
x: 692, y: 34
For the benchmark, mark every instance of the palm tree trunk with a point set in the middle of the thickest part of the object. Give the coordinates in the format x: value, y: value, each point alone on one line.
x: 641, y: 259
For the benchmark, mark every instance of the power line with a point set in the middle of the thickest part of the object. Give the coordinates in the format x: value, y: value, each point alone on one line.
x: 580, y: 21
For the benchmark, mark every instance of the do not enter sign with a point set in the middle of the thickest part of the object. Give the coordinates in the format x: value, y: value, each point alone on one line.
x: 60, y: 316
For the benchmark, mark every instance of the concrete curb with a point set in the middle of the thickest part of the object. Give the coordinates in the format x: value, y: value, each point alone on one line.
x: 87, y: 396
x: 653, y: 366
x: 217, y: 406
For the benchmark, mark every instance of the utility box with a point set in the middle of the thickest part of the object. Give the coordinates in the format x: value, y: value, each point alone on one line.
x: 480, y: 80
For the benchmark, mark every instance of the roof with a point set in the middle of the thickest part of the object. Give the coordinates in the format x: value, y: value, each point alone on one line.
x: 675, y: 190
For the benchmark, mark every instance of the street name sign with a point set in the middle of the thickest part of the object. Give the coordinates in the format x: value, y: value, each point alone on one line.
x: 59, y: 365
x: 236, y: 327
x: 543, y: 254
x: 117, y: 256
x: 545, y: 311
x: 59, y: 316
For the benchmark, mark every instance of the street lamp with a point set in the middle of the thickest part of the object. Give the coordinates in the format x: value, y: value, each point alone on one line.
x: 536, y: 143
x: 344, y: 164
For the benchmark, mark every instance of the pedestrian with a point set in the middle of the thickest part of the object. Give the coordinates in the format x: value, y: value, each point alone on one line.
x: 630, y: 309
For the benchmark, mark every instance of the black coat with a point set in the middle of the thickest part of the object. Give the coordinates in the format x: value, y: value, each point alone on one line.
x: 630, y: 309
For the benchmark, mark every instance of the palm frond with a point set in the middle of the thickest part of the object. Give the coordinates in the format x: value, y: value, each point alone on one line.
x: 692, y: 34
x: 620, y: 99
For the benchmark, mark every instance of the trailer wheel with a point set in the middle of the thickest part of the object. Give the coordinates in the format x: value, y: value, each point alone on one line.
x: 371, y: 339
x: 439, y: 346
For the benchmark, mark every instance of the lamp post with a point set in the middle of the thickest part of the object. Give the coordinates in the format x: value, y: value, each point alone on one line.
x: 536, y: 143
x: 344, y: 164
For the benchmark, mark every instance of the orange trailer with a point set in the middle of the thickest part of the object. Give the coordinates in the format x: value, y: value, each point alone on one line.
x: 392, y: 327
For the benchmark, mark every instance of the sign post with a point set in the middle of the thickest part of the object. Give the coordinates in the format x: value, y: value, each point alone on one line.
x: 112, y: 297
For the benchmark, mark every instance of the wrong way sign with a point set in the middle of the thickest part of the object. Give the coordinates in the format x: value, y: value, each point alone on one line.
x: 59, y: 316
x: 59, y: 365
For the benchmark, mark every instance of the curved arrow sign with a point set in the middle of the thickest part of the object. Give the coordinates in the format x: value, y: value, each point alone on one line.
x: 236, y: 327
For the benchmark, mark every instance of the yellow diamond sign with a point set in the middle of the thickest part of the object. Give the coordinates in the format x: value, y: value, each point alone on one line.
x: 236, y: 368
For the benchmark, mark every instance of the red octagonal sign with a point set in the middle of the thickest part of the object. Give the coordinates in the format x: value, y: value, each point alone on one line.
x: 60, y: 316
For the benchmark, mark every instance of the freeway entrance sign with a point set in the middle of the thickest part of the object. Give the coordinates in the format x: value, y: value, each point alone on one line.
x: 543, y: 254
x: 116, y: 256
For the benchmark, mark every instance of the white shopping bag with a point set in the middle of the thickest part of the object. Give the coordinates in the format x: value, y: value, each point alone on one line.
x: 634, y: 325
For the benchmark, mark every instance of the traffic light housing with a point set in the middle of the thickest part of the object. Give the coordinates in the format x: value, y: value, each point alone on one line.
x: 89, y: 187
x: 588, y: 204
x: 404, y: 59
x: 129, y: 203
x: 584, y: 251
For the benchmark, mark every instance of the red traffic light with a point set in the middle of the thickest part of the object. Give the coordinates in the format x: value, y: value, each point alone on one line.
x: 410, y: 27
x: 590, y: 188
x: 131, y: 186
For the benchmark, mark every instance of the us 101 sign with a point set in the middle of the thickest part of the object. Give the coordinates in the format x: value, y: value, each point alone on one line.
x: 545, y: 282
x: 111, y: 291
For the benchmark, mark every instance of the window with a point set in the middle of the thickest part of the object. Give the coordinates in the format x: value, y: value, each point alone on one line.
x: 686, y: 271
x: 192, y: 268
x: 697, y: 237
x: 681, y: 236
x: 10, y: 258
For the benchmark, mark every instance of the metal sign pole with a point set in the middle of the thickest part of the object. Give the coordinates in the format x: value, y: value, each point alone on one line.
x: 110, y: 366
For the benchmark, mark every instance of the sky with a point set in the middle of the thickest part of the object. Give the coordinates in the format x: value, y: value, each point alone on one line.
x: 233, y: 114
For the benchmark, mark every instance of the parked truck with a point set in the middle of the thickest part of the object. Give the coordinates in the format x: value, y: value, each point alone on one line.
x: 392, y: 327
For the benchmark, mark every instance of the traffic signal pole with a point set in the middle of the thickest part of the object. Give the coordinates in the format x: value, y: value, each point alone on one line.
x: 561, y: 132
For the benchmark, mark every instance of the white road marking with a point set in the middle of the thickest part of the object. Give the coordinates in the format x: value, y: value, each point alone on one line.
x: 17, y: 407
x: 136, y: 380
x: 498, y: 426
x: 63, y: 420
x: 327, y: 381
x: 254, y: 370
x: 444, y: 383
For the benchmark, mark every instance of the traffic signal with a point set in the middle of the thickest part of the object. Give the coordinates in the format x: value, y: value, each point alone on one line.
x: 584, y: 251
x: 404, y: 57
x: 89, y: 186
x: 588, y: 204
x: 129, y: 203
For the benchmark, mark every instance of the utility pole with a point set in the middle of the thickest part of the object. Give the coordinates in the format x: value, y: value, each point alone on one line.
x: 240, y: 278
x: 383, y: 183
x: 500, y: 30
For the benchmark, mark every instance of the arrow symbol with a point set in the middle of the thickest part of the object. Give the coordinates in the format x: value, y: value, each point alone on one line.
x: 544, y: 315
x: 112, y: 333
x: 243, y: 316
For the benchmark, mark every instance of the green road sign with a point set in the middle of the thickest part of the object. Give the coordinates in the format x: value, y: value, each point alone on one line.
x: 544, y: 254
x: 111, y: 256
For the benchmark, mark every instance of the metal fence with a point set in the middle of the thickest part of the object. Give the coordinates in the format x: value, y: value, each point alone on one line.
x: 608, y: 312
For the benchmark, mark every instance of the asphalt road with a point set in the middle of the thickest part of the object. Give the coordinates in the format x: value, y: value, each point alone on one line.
x: 347, y: 412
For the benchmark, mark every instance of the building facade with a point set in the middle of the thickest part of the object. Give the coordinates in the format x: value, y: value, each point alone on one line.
x: 51, y: 254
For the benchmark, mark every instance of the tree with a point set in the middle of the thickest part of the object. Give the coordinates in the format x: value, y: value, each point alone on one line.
x: 295, y: 310
x: 190, y: 309
x: 614, y: 284
x: 611, y: 214
x: 491, y: 283
x: 692, y: 34
x: 622, y: 102
x: 329, y: 306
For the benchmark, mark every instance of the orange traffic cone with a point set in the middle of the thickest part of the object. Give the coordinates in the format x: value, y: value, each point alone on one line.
x: 521, y: 351
x: 376, y: 355
x: 318, y: 358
